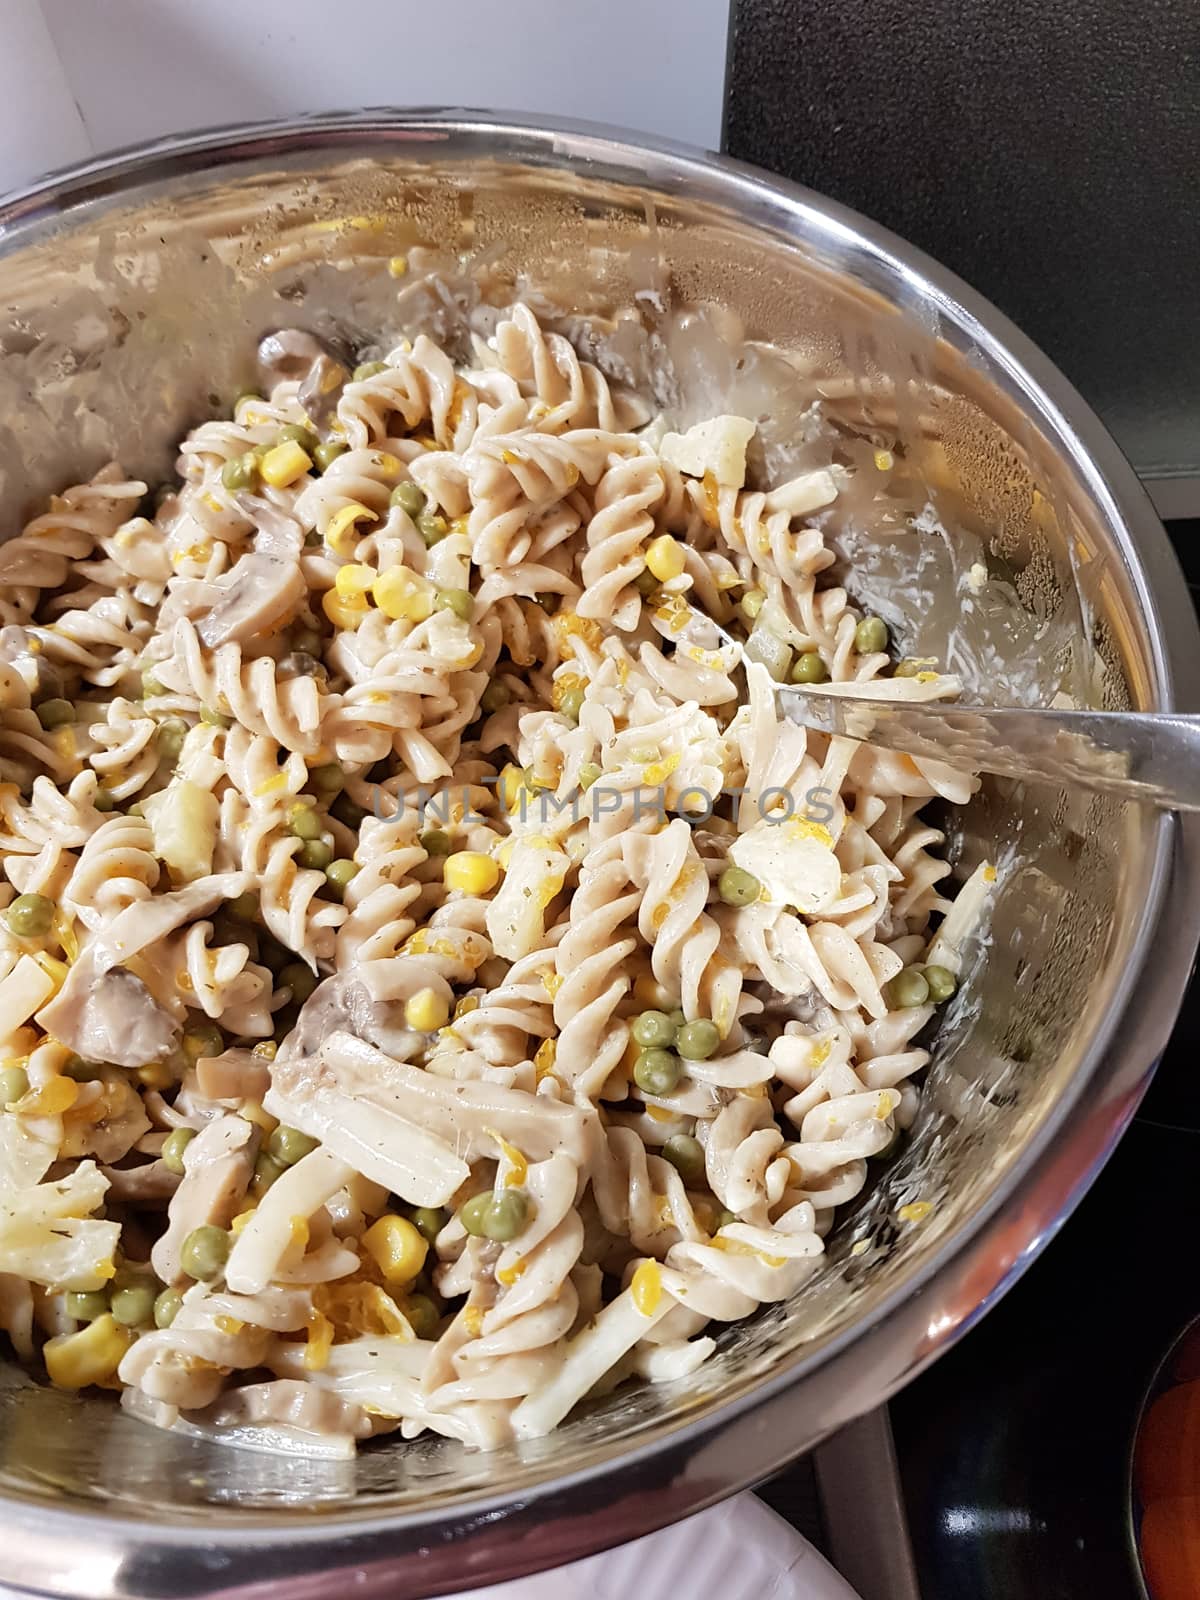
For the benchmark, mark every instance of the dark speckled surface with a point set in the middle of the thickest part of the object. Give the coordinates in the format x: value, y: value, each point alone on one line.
x: 1049, y: 153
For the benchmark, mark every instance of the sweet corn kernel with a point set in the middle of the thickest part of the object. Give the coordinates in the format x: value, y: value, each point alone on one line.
x: 915, y: 1211
x: 354, y: 580
x: 512, y: 781
x: 544, y: 1059
x: 320, y: 1342
x: 75, y: 1360
x: 473, y: 1320
x: 884, y: 460
x: 471, y: 872
x: 344, y: 613
x: 242, y: 1218
x: 50, y: 1100
x: 665, y: 558
x: 402, y: 595
x: 646, y: 1287
x: 284, y: 464
x: 398, y: 266
x: 340, y: 531
x: 509, y: 1275
x: 253, y: 1112
x: 463, y: 1007
x: 426, y: 1010
x: 397, y: 1249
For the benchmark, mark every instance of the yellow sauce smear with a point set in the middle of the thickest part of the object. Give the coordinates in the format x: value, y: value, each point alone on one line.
x: 915, y: 1211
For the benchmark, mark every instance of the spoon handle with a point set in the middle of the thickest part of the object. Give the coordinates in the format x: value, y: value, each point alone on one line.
x: 1149, y: 757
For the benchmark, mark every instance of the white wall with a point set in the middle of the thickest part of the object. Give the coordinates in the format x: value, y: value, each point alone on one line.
x: 78, y: 76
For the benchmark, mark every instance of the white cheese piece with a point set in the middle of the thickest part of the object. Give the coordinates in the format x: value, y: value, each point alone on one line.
x: 717, y: 446
x: 794, y: 861
x: 809, y: 492
x: 976, y: 577
x: 183, y: 819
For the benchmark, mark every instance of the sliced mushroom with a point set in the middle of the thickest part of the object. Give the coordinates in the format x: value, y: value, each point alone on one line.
x: 235, y: 1074
x: 292, y: 1403
x: 110, y: 1016
x: 294, y: 354
x: 261, y: 588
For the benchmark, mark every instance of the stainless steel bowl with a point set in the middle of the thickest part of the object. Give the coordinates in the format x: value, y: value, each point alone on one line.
x: 131, y: 293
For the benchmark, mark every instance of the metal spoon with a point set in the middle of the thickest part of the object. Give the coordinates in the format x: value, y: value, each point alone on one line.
x: 1150, y: 757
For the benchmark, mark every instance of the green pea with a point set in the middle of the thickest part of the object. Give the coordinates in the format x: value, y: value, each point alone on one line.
x: 496, y: 696
x: 152, y: 684
x: 654, y: 1030
x: 906, y: 667
x: 686, y: 1155
x: 55, y: 714
x: 129, y: 1275
x: 308, y: 642
x: 646, y: 583
x: 244, y: 906
x: 289, y: 1145
x: 86, y: 1305
x: 737, y: 887
x: 809, y: 668
x: 435, y: 842
x: 215, y: 718
x: 697, y: 1040
x: 169, y: 737
x: 14, y: 1082
x: 496, y: 1216
x: 941, y: 983
x: 30, y: 916
x: 589, y: 773
x: 167, y: 1307
x: 204, y: 1252
x: 907, y: 988
x: 348, y: 812
x: 368, y: 369
x: 315, y: 854
x: 432, y: 527
x: 422, y: 1314
x: 657, y: 1071
x: 174, y: 1145
x: 510, y: 1215
x: 103, y: 800
x: 410, y: 498
x: 428, y: 1221
x: 134, y: 1307
x: 677, y: 1017
x: 327, y: 453
x: 304, y: 823
x: 240, y: 472
x: 80, y: 1070
x: 751, y: 604
x: 871, y: 636
x: 266, y: 1172
x: 571, y: 704
x: 474, y: 1212
x: 339, y: 873
x: 296, y: 433
x: 299, y: 979
x: 460, y: 601
x: 328, y: 779
x: 202, y: 1039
